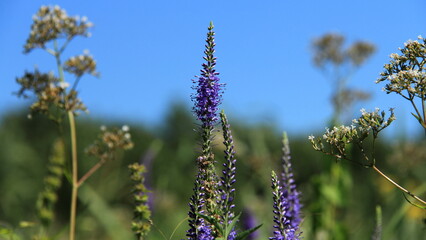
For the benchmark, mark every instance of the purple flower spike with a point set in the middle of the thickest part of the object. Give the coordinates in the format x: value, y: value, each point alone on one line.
x: 289, y: 188
x: 232, y: 235
x: 196, y: 204
x: 249, y: 221
x: 209, y: 90
x: 205, y: 233
x: 283, y: 228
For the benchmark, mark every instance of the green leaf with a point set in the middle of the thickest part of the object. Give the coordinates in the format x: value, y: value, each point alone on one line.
x: 230, y: 226
x: 414, y: 204
x: 244, y: 234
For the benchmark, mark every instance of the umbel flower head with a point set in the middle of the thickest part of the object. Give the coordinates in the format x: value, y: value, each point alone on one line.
x: 53, y: 23
x: 209, y: 90
x: 50, y: 92
x: 405, y: 74
x: 79, y: 65
x: 109, y: 142
x: 338, y: 138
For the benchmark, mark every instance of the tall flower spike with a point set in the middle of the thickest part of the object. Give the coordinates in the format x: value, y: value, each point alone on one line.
x: 141, y: 224
x: 52, y: 182
x: 283, y: 229
x: 289, y: 187
x: 208, y: 96
x: 206, y: 101
x: 227, y: 190
x: 196, y: 205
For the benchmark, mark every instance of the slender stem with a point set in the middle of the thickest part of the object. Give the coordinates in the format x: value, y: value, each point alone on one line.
x: 415, y: 107
x: 90, y: 172
x: 424, y: 113
x: 74, y: 175
x: 398, y: 186
x: 359, y: 144
x: 373, y: 157
x: 74, y: 86
x: 65, y: 45
x: 57, y: 54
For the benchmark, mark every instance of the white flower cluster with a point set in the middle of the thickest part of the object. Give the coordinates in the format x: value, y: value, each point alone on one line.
x: 109, y: 141
x: 343, y: 134
x: 79, y: 65
x: 405, y: 73
x: 339, y: 137
x: 52, y: 23
x: 413, y: 81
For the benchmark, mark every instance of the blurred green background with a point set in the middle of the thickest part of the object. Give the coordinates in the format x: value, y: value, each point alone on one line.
x: 169, y: 151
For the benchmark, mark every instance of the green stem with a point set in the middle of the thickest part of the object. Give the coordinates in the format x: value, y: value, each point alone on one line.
x: 74, y: 193
x: 424, y: 114
x: 57, y: 55
x: 74, y: 175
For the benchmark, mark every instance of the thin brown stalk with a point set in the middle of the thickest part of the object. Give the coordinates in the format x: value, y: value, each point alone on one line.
x: 398, y: 186
x: 90, y: 172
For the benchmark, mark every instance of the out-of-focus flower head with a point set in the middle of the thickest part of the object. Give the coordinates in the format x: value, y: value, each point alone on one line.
x: 79, y: 65
x: 51, y: 23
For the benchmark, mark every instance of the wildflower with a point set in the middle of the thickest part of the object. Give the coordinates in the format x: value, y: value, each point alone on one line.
x: 227, y: 191
x: 290, y: 193
x: 232, y: 235
x: 52, y: 182
x: 405, y: 72
x: 141, y: 223
x: 339, y: 137
x: 50, y: 92
x: 196, y: 205
x: 108, y: 142
x: 208, y: 96
x: 283, y: 228
x: 53, y: 23
x: 205, y: 233
x: 206, y: 102
x: 80, y: 65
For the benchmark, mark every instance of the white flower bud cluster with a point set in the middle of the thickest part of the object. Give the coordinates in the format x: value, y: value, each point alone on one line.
x: 412, y: 80
x: 338, y: 137
x: 52, y: 23
x: 109, y: 141
x: 405, y: 74
x: 79, y: 65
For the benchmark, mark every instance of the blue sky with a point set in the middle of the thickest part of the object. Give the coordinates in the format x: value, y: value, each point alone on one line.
x: 148, y: 52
